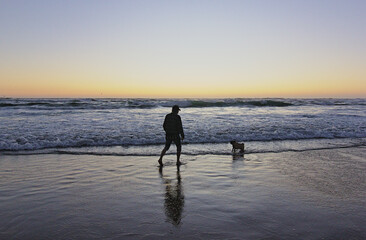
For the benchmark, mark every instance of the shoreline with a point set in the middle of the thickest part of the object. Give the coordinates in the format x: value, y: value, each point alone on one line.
x: 194, y: 149
x: 289, y: 195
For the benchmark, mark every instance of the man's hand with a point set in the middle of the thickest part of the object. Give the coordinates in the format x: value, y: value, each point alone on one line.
x: 182, y: 137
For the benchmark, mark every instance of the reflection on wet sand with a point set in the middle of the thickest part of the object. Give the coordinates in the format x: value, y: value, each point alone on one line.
x: 238, y: 156
x: 174, y: 198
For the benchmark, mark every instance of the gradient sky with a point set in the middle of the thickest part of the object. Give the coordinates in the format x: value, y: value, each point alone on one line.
x: 185, y: 48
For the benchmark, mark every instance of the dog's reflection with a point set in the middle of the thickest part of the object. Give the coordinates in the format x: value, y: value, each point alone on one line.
x: 174, y: 198
x: 239, y: 156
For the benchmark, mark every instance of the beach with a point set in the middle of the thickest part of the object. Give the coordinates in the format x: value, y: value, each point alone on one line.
x: 311, y: 194
x: 208, y: 120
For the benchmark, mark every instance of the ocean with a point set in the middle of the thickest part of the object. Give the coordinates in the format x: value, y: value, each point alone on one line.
x: 133, y: 127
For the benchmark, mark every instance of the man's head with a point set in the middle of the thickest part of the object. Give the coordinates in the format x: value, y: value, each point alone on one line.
x: 175, y: 109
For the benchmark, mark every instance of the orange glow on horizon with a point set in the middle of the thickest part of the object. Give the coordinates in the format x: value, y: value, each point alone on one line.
x: 97, y: 90
x: 76, y: 83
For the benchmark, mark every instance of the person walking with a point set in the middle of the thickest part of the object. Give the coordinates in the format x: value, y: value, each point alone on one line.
x: 173, y: 133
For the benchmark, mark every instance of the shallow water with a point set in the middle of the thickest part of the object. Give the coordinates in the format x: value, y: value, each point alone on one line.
x: 308, y: 195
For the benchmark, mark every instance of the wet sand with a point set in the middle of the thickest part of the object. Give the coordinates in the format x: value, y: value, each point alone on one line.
x: 317, y: 194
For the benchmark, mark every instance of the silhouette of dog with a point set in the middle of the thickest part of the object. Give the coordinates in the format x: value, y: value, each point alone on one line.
x: 237, y: 145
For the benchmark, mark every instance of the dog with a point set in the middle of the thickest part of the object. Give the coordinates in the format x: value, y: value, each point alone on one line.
x: 237, y: 145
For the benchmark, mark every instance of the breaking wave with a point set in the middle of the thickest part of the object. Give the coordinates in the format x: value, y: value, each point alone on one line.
x: 201, y: 149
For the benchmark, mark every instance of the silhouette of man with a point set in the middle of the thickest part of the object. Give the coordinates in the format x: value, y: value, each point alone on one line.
x: 173, y: 133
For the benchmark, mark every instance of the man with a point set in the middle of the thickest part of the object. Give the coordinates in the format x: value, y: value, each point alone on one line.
x: 174, y: 132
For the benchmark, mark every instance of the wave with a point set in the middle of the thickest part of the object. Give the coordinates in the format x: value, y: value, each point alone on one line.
x: 32, y: 144
x: 262, y: 103
x: 142, y: 103
x: 201, y: 149
x: 44, y: 104
x: 118, y: 103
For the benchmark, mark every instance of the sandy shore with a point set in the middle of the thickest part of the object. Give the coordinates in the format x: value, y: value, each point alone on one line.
x: 317, y: 194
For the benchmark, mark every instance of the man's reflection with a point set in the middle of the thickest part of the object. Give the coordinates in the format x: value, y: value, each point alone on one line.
x: 174, y: 198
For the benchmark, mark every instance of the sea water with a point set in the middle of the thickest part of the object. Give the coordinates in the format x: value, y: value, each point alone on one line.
x: 134, y: 126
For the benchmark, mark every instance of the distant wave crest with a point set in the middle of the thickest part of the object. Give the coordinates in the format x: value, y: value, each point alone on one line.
x: 118, y: 103
x: 262, y: 103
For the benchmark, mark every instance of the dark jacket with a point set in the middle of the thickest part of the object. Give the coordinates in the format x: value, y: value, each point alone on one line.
x: 173, y: 124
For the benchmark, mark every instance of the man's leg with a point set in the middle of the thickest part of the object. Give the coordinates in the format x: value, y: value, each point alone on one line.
x: 166, y: 148
x: 178, y: 157
x: 160, y: 161
x: 179, y: 150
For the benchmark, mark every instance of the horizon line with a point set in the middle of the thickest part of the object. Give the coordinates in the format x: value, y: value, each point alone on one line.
x: 25, y: 97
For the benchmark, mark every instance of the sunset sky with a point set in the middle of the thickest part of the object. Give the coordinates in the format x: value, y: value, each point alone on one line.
x: 185, y: 48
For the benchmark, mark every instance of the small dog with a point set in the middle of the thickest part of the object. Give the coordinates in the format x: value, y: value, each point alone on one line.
x: 237, y: 145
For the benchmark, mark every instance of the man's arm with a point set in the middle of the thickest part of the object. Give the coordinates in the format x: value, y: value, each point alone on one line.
x: 181, y: 132
x: 164, y: 124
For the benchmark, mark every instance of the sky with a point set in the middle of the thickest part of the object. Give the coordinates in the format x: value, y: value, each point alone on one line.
x: 200, y: 48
